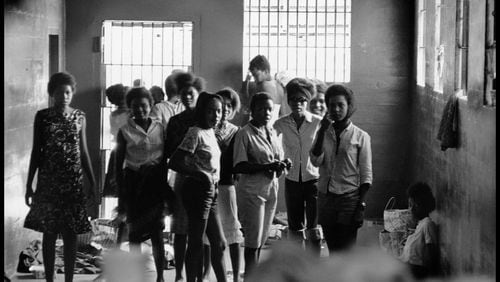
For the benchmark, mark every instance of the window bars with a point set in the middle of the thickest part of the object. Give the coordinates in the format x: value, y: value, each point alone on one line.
x: 308, y: 38
x: 145, y: 50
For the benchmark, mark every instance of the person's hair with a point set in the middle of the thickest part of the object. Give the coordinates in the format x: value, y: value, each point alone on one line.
x: 300, y: 85
x: 116, y: 94
x: 260, y: 62
x: 320, y: 85
x: 202, y: 104
x: 170, y: 85
x: 185, y: 80
x: 421, y: 194
x: 257, y: 98
x: 338, y: 89
x: 229, y: 93
x: 139, y: 93
x: 58, y: 79
x: 157, y: 93
x: 138, y: 83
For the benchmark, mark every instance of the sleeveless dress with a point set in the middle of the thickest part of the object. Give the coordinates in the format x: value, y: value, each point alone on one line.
x: 59, y: 199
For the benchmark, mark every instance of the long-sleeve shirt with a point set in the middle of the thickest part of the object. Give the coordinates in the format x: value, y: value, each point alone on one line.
x: 344, y: 167
x: 296, y: 144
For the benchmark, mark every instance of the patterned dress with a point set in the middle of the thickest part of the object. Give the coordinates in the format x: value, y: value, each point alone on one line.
x: 59, y: 200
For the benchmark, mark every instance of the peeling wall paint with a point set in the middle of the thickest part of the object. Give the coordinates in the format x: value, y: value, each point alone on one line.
x: 27, y: 28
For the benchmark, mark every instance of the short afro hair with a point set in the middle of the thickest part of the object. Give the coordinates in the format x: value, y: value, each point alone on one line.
x: 170, y: 86
x: 421, y: 194
x: 257, y: 98
x: 139, y: 93
x: 157, y: 93
x: 116, y: 94
x: 58, y: 79
x: 186, y: 80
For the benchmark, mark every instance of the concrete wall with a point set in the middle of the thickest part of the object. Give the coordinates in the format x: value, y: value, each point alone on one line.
x: 381, y: 69
x: 27, y: 25
x: 381, y: 38
x: 463, y: 179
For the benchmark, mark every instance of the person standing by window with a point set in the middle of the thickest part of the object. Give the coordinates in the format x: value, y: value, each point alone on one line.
x: 260, y: 69
x: 141, y: 176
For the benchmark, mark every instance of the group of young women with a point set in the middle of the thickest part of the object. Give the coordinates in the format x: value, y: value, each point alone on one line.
x: 224, y: 178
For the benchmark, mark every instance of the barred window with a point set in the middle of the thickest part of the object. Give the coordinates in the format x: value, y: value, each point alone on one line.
x: 438, y: 50
x: 462, y: 34
x: 490, y: 56
x: 307, y: 38
x: 421, y: 43
x: 145, y: 50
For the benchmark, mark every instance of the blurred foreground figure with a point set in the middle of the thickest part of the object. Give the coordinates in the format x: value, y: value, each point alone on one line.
x: 123, y: 266
x: 288, y: 262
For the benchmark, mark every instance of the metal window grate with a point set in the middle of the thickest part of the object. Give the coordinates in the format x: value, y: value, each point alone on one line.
x: 308, y: 38
x: 145, y: 50
x: 421, y: 44
x: 462, y: 33
x: 438, y: 49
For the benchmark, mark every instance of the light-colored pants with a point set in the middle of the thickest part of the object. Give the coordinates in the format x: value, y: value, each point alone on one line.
x: 256, y: 212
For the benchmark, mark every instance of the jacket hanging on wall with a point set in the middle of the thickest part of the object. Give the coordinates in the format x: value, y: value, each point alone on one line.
x: 448, y: 128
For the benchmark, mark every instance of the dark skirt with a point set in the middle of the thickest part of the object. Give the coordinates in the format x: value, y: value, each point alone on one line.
x: 146, y: 197
x: 110, y: 185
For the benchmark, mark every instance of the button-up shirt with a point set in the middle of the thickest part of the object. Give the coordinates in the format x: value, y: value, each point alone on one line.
x: 342, y: 169
x: 297, y: 143
x: 204, y: 153
x: 251, y: 145
x: 143, y: 148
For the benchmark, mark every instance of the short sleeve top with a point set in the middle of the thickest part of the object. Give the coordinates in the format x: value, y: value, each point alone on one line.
x: 252, y: 145
x: 204, y: 150
x: 425, y: 233
x: 143, y: 147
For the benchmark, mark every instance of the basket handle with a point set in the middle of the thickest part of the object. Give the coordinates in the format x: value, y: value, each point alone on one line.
x: 391, y: 201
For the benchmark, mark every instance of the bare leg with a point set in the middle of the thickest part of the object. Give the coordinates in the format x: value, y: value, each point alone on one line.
x: 180, y: 241
x: 234, y: 253
x: 207, y: 265
x: 251, y: 259
x: 217, y: 245
x: 69, y: 239
x: 158, y: 253
x: 49, y: 255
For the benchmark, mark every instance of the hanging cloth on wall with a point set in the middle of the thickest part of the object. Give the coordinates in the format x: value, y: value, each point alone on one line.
x: 448, y: 128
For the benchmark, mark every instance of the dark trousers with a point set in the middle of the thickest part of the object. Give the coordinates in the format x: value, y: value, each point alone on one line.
x: 336, y: 216
x: 301, y: 198
x: 200, y: 201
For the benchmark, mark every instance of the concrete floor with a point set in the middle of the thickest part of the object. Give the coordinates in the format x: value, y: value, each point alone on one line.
x: 367, y: 236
